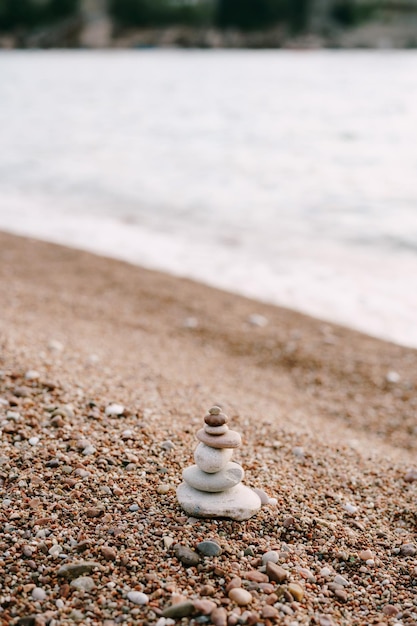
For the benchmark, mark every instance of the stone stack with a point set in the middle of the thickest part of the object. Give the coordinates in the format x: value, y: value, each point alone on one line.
x: 212, y: 487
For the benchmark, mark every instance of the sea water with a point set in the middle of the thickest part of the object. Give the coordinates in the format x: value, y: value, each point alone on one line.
x: 290, y: 177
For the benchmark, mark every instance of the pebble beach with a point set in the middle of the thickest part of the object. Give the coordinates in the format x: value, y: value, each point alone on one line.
x: 106, y: 373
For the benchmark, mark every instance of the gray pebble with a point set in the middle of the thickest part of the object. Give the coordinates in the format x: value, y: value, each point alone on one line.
x: 38, y: 594
x: 209, y: 548
x: 183, y: 609
x: 408, y: 549
x: 134, y: 507
x: 339, y: 580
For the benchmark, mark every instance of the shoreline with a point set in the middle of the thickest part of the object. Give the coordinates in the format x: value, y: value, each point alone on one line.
x: 327, y: 429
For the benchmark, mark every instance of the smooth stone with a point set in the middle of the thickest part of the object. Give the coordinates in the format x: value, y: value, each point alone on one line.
x: 209, y: 548
x: 275, y: 572
x: 215, y: 410
x: 74, y: 570
x: 182, y: 609
x: 272, y: 556
x: 84, y: 583
x: 239, y: 503
x: 137, y: 597
x: 211, y: 460
x: 38, y: 594
x: 296, y: 591
x: 263, y: 496
x: 240, y: 596
x: 188, y: 557
x: 216, y: 430
x: 232, y: 474
x: 231, y: 439
x: 219, y: 419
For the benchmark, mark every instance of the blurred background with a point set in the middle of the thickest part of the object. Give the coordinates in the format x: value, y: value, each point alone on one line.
x: 267, y: 147
x: 208, y: 23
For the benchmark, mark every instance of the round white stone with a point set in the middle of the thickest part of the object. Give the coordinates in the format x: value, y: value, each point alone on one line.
x: 137, y: 597
x: 231, y: 475
x: 212, y: 460
x: 239, y: 503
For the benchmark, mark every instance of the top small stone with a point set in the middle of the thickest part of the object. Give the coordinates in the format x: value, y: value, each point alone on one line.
x: 215, y: 417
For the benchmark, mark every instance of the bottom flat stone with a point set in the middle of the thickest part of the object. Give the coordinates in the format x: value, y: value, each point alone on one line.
x: 238, y: 503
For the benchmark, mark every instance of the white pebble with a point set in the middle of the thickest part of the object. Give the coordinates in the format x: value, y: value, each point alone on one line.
x: 325, y: 572
x: 273, y: 501
x: 89, y: 450
x: 32, y: 375
x: 55, y: 550
x: 350, y: 508
x: 272, y: 556
x: 55, y: 346
x: 257, y: 320
x: 190, y: 322
x: 340, y: 580
x: 38, y: 594
x: 59, y: 604
x: 137, y: 597
x: 115, y: 409
x: 33, y: 441
x: 393, y: 377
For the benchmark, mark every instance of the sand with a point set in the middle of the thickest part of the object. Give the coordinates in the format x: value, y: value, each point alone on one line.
x: 328, y: 418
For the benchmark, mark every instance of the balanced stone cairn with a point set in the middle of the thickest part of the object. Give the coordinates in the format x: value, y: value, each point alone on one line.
x: 213, y: 488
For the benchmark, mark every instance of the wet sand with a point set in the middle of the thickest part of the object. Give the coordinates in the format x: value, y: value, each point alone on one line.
x: 329, y: 423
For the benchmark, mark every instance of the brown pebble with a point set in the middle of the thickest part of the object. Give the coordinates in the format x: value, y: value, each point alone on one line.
x: 296, y: 591
x: 215, y: 420
x: 255, y: 576
x: 231, y: 439
x: 269, y: 612
x: 108, y: 553
x: 365, y: 555
x: 234, y: 583
x: 275, y: 572
x: 341, y: 595
x: 266, y: 587
x: 82, y: 546
x: 219, y: 617
x: 206, y: 607
x: 94, y: 512
x: 207, y: 590
x: 240, y: 596
x: 390, y: 610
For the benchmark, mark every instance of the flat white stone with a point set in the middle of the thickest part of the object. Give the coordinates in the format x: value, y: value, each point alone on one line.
x: 211, y: 460
x: 239, y: 503
x: 231, y: 475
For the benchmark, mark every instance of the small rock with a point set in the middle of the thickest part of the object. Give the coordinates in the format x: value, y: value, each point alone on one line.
x: 209, y: 548
x: 296, y: 591
x: 341, y: 595
x: 219, y: 617
x: 34, y: 441
x: 275, y: 572
x: 137, y: 597
x: 188, y: 557
x: 164, y: 488
x: 269, y: 612
x: 84, y: 583
x: 182, y: 609
x: 168, y: 445
x: 168, y: 541
x: 408, y: 549
x: 411, y: 476
x: 257, y: 320
x: 38, y: 594
x: 365, y: 555
x: 350, y: 508
x: 325, y: 572
x: 32, y: 375
x: 390, y: 610
x: 74, y: 570
x: 240, y: 596
x: 340, y: 580
x: 272, y: 556
x: 234, y: 584
x: 94, y: 512
x: 114, y: 410
x: 205, y: 607
x: 190, y: 322
x: 134, y: 508
x: 326, y: 620
x: 256, y: 576
x: 393, y: 377
x: 108, y: 553
x: 88, y: 450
